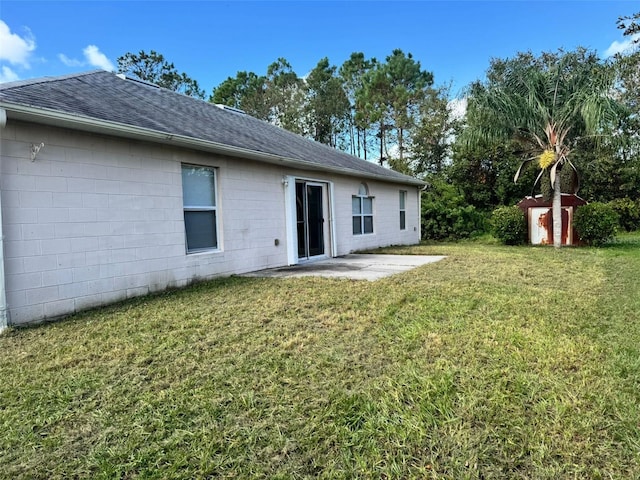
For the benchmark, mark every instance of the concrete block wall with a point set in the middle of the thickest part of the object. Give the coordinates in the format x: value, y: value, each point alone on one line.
x: 386, y: 215
x: 96, y: 219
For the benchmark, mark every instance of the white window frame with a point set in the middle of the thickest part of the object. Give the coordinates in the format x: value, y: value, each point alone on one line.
x: 403, y: 209
x: 202, y: 208
x: 363, y: 194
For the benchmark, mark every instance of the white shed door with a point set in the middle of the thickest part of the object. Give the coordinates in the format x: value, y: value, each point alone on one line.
x: 539, y: 225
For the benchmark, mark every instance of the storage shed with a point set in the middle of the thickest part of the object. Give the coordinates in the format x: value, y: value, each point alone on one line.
x: 539, y: 215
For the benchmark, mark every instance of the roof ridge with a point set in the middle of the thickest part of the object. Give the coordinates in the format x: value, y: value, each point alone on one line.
x: 48, y: 79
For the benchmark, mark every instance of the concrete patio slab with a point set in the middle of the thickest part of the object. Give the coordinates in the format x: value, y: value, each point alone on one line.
x: 353, y: 266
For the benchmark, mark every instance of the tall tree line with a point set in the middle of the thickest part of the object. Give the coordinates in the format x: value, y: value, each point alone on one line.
x: 390, y: 111
x: 386, y: 111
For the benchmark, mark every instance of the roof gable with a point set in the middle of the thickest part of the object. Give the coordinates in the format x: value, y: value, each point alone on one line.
x: 107, y: 97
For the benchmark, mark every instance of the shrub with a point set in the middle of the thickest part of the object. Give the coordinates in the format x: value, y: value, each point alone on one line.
x: 446, y: 215
x: 595, y: 223
x: 509, y: 225
x: 628, y: 212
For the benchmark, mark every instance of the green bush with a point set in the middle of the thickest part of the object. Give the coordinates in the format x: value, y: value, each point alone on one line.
x: 509, y: 225
x: 628, y: 212
x: 595, y: 223
x: 447, y: 216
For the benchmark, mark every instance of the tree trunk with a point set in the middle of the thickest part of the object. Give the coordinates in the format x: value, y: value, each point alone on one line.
x: 364, y: 142
x: 381, y: 144
x: 557, y: 212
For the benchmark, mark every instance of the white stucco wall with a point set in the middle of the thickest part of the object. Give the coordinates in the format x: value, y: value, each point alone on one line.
x: 96, y: 219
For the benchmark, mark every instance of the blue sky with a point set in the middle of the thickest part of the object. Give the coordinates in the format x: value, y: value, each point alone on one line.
x: 211, y: 40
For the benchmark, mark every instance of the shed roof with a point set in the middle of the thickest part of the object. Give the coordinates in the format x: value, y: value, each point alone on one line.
x: 566, y: 200
x: 104, y: 102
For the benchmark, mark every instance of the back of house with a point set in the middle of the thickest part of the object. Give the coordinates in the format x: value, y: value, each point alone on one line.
x: 111, y: 188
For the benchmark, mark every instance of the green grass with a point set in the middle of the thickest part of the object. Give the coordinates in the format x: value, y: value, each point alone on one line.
x: 498, y: 362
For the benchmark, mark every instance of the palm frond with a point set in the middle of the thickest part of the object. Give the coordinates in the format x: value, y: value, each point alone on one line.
x: 522, y: 164
x: 577, y: 176
x: 543, y: 103
x: 536, y: 181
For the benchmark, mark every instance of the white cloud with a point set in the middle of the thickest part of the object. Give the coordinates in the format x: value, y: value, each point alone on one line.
x: 97, y: 59
x: 624, y: 46
x: 16, y: 49
x: 92, y: 56
x: 69, y: 62
x: 8, y: 75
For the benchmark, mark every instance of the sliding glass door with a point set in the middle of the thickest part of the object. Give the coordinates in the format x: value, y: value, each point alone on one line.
x: 310, y: 219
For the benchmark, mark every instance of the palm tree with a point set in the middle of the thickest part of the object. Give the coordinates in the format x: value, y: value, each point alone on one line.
x: 544, y: 104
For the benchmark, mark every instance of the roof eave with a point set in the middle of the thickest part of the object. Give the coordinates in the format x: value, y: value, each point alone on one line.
x: 88, y: 124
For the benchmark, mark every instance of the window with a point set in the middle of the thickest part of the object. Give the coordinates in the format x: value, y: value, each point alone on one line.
x: 403, y: 210
x: 200, y: 211
x: 362, y: 211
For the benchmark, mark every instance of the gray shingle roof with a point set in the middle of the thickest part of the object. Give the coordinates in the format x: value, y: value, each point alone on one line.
x: 104, y: 96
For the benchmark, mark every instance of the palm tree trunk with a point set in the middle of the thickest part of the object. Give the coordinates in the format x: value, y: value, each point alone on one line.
x: 557, y: 213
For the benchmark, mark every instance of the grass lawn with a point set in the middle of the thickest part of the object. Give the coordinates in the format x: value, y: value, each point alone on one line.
x: 498, y: 362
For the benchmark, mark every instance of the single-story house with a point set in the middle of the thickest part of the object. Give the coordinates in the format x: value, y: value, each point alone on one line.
x: 111, y: 188
x: 539, y: 215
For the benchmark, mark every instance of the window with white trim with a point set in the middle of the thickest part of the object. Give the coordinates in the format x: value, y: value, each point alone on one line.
x: 403, y: 210
x: 362, y: 211
x: 200, y: 208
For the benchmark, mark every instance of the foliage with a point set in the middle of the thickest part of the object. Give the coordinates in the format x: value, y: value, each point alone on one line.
x: 509, y: 225
x: 628, y: 213
x: 152, y: 67
x: 327, y: 106
x: 608, y: 166
x: 285, y: 96
x: 543, y: 104
x: 608, y: 171
x: 352, y: 73
x: 408, y: 85
x: 246, y: 91
x: 446, y: 215
x: 391, y: 111
x: 630, y: 25
x: 363, y: 106
x: 628, y: 70
x: 391, y: 94
x: 595, y: 223
x: 567, y: 179
x: 431, y: 146
x: 458, y: 369
x: 484, y: 173
x: 277, y: 97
